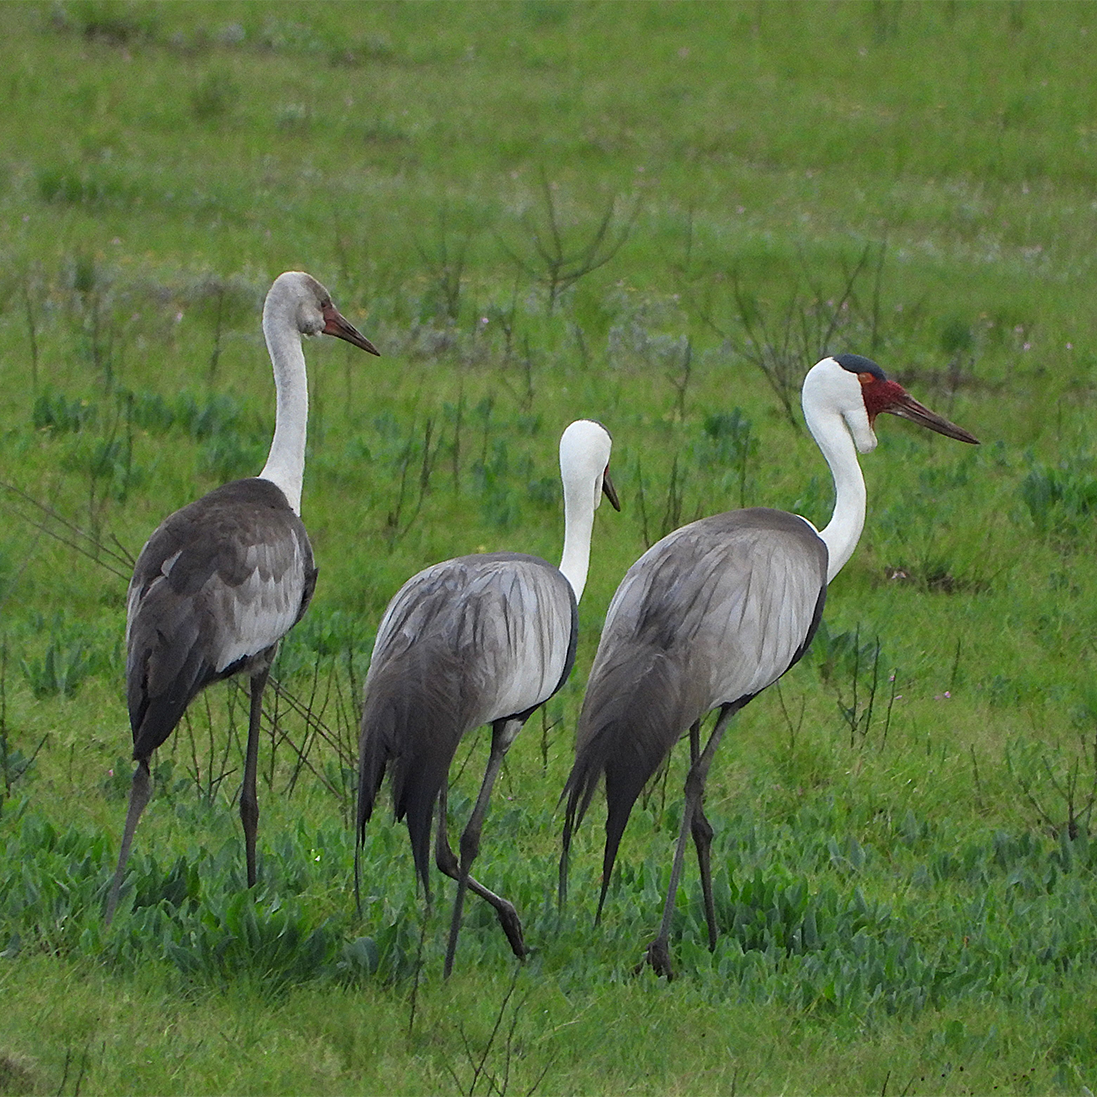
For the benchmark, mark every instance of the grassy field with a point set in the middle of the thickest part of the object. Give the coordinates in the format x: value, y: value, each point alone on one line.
x: 657, y: 215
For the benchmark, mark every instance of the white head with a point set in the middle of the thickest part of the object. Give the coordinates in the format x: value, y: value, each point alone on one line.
x: 584, y: 463
x: 857, y: 389
x: 832, y: 389
x: 842, y: 396
x: 584, y: 469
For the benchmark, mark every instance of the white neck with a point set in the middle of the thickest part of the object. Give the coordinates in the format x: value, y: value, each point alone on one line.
x: 841, y: 534
x: 286, y: 461
x: 584, y: 458
x: 578, y: 527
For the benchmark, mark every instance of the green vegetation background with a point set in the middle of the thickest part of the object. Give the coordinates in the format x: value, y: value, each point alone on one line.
x: 658, y: 215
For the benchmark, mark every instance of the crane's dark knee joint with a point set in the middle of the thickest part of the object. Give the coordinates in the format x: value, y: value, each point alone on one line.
x: 702, y: 828
x: 695, y: 785
x: 446, y: 861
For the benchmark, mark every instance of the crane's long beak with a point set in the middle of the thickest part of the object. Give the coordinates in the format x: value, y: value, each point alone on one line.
x: 906, y: 407
x: 336, y: 324
x: 609, y: 491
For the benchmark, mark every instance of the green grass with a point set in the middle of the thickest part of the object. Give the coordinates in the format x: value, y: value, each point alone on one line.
x: 905, y: 889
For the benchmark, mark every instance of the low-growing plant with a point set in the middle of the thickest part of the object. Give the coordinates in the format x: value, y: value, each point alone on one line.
x: 226, y: 457
x: 84, y: 185
x: 1059, y: 786
x: 556, y: 263
x: 781, y: 342
x: 275, y: 945
x: 55, y: 412
x: 853, y: 669
x: 215, y: 96
x: 105, y: 550
x: 14, y: 763
x: 730, y: 441
x: 492, y: 1062
x: 493, y: 476
x: 1061, y: 499
x: 70, y: 657
x: 674, y: 513
x: 106, y: 21
x: 445, y: 263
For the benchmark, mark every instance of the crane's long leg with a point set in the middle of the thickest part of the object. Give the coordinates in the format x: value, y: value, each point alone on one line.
x: 658, y: 954
x: 562, y: 877
x: 702, y: 839
x: 503, y: 733
x: 446, y: 861
x: 140, y: 791
x: 249, y: 802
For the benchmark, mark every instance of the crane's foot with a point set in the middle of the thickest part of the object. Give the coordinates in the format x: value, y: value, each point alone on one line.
x: 512, y: 927
x: 658, y: 956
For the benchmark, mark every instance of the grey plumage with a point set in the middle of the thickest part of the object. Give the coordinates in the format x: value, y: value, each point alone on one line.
x: 215, y: 588
x: 713, y: 614
x: 224, y: 578
x: 475, y: 640
x: 471, y: 641
x: 467, y: 642
x: 217, y: 585
x: 706, y: 618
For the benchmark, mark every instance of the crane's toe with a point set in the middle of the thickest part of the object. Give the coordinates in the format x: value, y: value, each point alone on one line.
x: 512, y: 927
x: 658, y: 955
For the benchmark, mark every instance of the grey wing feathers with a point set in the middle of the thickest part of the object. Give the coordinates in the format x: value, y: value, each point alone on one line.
x: 463, y: 643
x: 219, y: 582
x: 707, y: 618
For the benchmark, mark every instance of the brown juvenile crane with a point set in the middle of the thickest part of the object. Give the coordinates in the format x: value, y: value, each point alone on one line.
x: 711, y: 615
x: 224, y: 578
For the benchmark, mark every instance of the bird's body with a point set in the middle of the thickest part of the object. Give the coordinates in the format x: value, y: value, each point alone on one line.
x: 708, y: 616
x: 482, y: 639
x: 217, y: 585
x: 221, y: 580
x: 711, y: 615
x: 463, y: 644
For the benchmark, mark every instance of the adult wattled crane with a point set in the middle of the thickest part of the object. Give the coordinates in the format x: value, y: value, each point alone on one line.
x: 711, y: 615
x: 224, y: 578
x: 483, y: 639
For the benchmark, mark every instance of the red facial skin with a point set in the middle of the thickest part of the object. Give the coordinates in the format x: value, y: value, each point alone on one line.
x: 889, y: 396
x: 879, y: 395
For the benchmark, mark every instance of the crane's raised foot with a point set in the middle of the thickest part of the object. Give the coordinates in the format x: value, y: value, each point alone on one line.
x: 512, y: 927
x: 658, y: 955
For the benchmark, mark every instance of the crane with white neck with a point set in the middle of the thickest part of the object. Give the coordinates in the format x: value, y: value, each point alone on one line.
x: 223, y: 579
x: 481, y: 639
x: 711, y: 615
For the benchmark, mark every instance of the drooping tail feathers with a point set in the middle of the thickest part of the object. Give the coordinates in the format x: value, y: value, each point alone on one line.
x: 403, y: 728
x: 632, y: 716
